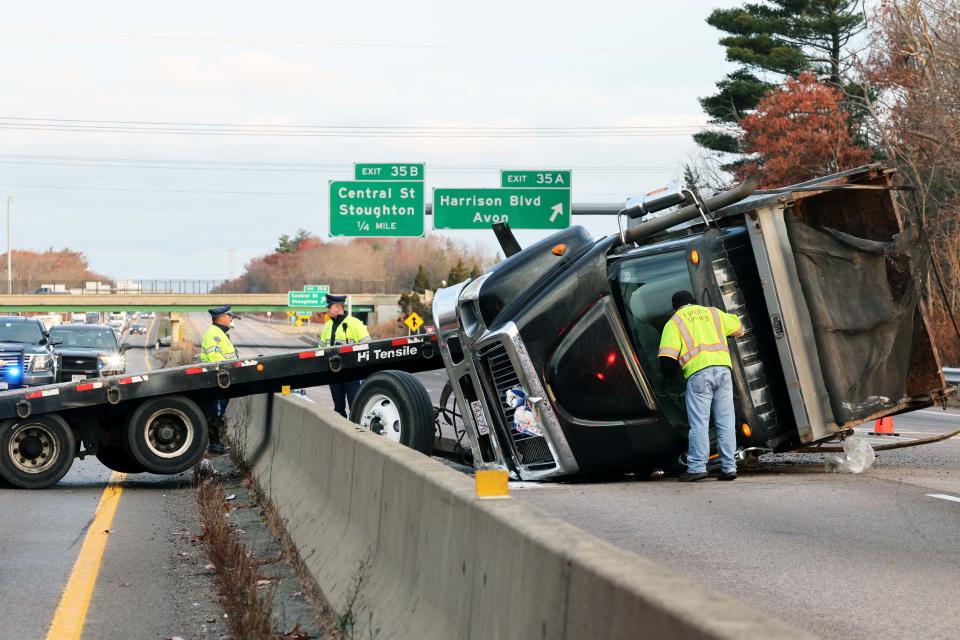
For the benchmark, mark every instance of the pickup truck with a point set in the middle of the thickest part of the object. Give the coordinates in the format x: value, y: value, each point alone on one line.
x: 552, y: 354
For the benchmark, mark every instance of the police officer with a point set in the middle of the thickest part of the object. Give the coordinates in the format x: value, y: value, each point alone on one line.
x: 342, y: 329
x: 216, y: 346
x: 695, y: 339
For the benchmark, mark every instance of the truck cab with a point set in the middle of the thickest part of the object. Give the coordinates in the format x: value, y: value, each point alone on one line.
x: 552, y: 354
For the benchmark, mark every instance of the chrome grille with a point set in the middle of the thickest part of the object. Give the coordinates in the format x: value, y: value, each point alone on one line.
x: 79, y: 363
x: 9, y: 359
x: 531, y: 451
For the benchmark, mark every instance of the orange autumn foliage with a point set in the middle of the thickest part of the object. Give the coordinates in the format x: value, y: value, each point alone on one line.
x: 799, y: 131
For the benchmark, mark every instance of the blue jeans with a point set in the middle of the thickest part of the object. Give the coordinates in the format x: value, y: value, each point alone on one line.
x: 711, y: 388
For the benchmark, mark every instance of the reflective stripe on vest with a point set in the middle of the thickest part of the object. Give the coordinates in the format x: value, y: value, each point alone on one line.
x: 692, y: 350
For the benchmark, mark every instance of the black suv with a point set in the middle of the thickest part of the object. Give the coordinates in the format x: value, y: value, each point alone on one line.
x: 88, y: 351
x: 26, y: 353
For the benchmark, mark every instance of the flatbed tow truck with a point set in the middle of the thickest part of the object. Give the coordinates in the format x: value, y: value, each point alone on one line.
x: 551, y: 354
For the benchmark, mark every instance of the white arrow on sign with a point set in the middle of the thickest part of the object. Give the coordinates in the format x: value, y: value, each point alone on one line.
x: 557, y: 210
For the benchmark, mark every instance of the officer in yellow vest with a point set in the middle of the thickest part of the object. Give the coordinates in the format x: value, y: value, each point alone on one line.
x: 342, y: 329
x: 695, y: 339
x: 214, y: 347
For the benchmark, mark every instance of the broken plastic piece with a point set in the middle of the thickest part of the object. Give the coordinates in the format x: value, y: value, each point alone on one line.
x: 857, y: 457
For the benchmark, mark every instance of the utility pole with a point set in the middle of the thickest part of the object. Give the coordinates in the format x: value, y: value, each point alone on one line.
x: 9, y: 250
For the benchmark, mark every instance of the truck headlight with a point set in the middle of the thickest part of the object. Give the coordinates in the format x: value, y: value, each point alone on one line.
x: 41, y: 363
x: 114, y: 361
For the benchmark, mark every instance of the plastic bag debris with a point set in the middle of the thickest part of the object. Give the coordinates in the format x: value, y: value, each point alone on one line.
x: 857, y: 457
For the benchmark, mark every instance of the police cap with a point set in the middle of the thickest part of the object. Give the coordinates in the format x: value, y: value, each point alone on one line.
x: 219, y: 311
x: 332, y: 299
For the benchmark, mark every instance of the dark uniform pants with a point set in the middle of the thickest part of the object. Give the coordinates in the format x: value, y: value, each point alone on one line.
x: 343, y: 393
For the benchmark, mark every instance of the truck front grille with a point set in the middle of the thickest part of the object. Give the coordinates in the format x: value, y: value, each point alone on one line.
x: 531, y: 451
x: 9, y: 359
x: 79, y: 363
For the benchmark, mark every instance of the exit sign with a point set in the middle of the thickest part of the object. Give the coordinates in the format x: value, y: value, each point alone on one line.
x: 402, y: 171
x: 538, y: 178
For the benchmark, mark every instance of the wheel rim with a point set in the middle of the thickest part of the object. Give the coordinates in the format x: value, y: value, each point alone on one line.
x: 33, y: 447
x: 382, y: 416
x: 168, y: 433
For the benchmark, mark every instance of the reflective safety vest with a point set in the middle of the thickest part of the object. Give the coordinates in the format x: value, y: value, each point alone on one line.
x: 350, y: 331
x: 216, y: 346
x: 696, y: 337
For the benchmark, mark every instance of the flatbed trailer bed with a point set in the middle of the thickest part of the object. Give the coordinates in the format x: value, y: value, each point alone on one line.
x: 156, y: 421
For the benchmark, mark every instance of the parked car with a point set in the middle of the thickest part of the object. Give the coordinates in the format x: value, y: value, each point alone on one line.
x: 88, y: 351
x: 138, y: 329
x: 26, y: 353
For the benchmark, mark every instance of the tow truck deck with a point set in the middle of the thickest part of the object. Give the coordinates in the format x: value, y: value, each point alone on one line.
x: 156, y: 421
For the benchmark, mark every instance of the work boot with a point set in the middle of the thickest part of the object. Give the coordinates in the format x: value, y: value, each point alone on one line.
x: 216, y: 448
x: 723, y: 475
x: 686, y: 476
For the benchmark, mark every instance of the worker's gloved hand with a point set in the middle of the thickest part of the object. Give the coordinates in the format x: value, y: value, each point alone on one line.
x: 669, y: 367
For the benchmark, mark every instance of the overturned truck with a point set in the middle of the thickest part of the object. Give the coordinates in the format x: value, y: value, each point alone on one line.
x: 552, y: 354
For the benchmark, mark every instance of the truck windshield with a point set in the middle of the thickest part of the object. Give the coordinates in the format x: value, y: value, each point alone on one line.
x: 646, y: 285
x: 80, y: 338
x: 21, y: 332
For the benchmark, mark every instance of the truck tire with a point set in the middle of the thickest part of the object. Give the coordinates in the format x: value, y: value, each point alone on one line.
x: 167, y: 435
x: 396, y: 405
x: 36, y: 452
x: 117, y: 458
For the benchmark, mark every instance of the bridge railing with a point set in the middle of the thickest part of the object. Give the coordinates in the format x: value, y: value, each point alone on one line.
x: 196, y: 287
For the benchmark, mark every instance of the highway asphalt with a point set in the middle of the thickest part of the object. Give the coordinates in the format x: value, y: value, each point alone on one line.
x: 151, y: 582
x: 875, y: 555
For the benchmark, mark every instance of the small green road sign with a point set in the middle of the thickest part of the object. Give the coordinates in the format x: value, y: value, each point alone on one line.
x: 527, y: 179
x: 373, y: 209
x: 402, y: 171
x: 521, y: 208
x: 306, y: 298
x: 316, y: 287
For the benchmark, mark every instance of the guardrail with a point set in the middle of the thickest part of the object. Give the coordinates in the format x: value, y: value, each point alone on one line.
x: 952, y: 375
x: 401, y: 543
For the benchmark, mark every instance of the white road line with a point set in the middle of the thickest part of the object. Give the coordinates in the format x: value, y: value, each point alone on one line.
x: 943, y: 496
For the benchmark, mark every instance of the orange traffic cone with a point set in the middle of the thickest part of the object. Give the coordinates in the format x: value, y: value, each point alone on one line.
x: 883, y: 427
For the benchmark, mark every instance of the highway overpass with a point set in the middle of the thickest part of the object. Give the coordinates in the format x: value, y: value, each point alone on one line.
x: 381, y: 306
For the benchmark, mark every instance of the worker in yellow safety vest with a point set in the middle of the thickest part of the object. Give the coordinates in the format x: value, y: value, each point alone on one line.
x: 695, y: 339
x: 214, y: 347
x: 341, y: 328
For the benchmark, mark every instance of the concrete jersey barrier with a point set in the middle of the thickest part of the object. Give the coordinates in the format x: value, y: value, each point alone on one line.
x: 401, y: 542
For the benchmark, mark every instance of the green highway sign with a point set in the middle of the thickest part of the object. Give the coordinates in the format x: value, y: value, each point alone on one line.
x: 527, y: 208
x: 307, y: 298
x: 527, y: 179
x: 374, y: 209
x: 402, y: 171
x: 316, y: 287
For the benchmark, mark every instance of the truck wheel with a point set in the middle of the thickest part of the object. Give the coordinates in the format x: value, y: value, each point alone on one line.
x: 167, y: 435
x: 396, y: 405
x: 117, y: 458
x: 35, y: 453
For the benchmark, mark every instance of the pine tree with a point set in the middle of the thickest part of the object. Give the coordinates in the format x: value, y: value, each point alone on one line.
x: 286, y: 244
x: 422, y: 281
x: 475, y: 272
x: 772, y: 40
x: 458, y: 273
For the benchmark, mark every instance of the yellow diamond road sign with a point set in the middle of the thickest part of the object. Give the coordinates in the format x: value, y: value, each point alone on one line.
x: 414, y: 321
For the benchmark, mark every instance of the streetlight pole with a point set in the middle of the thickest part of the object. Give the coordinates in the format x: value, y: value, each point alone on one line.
x: 9, y: 251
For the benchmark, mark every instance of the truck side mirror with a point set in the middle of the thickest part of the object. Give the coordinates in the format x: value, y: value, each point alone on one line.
x: 124, y: 347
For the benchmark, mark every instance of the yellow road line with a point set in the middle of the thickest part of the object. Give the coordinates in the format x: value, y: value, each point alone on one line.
x: 72, y: 611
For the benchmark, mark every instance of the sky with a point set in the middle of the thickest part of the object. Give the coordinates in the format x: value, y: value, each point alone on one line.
x: 181, y: 139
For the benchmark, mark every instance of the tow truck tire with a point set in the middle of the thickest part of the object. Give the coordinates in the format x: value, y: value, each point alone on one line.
x: 396, y: 405
x: 167, y: 435
x: 117, y: 458
x: 36, y: 452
